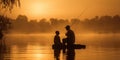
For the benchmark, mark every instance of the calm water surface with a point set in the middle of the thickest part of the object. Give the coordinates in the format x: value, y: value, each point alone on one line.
x: 38, y: 47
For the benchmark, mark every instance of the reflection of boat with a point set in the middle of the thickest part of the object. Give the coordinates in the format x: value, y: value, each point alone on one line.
x: 75, y: 46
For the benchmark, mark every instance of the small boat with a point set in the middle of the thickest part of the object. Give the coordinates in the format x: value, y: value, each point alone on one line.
x: 75, y: 46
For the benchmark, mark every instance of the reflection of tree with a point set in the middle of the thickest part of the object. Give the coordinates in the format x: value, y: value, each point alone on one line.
x: 4, y: 51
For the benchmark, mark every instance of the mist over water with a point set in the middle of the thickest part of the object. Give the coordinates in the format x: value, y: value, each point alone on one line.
x: 38, y: 46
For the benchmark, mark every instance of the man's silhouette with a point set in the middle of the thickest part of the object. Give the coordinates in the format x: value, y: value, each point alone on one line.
x: 70, y: 39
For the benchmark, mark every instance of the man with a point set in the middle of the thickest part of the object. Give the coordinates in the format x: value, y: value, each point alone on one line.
x: 70, y: 40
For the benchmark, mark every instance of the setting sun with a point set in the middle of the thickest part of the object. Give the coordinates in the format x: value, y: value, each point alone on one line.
x: 37, y: 9
x: 34, y: 9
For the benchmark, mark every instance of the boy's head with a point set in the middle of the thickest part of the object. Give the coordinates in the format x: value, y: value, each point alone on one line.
x: 57, y: 32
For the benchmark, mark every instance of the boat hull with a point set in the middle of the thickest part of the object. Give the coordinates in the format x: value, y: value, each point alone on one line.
x: 75, y: 46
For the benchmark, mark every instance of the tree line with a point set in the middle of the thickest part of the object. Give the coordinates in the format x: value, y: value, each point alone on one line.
x: 102, y: 24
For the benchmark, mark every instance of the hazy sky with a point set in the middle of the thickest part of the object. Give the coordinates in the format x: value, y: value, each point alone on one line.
x: 37, y: 9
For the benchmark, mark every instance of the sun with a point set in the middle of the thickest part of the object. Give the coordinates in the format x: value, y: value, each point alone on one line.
x: 37, y: 9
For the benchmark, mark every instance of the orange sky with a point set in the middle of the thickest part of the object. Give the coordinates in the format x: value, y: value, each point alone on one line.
x: 37, y: 9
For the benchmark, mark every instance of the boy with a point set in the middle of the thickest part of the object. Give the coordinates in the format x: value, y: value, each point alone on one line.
x: 57, y: 39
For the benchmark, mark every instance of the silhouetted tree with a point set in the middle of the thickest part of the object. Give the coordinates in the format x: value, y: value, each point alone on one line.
x: 103, y: 24
x: 9, y: 4
x: 44, y: 25
x: 4, y: 23
x: 34, y: 25
x: 21, y: 23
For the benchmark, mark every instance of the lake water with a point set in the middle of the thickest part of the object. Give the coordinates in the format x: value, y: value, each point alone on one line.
x: 38, y: 47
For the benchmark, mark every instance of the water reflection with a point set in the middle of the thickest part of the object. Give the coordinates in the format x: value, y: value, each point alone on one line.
x: 57, y: 54
x: 39, y: 48
x: 3, y: 50
x: 69, y: 54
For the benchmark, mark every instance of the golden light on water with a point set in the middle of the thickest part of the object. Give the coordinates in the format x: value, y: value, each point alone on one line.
x: 30, y: 48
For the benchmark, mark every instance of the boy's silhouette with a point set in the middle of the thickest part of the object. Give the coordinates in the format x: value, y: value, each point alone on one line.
x: 57, y: 39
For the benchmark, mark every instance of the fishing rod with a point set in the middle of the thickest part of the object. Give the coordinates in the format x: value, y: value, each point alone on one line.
x: 82, y: 12
x: 80, y: 15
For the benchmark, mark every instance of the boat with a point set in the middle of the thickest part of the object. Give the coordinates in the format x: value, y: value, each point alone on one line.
x: 74, y: 46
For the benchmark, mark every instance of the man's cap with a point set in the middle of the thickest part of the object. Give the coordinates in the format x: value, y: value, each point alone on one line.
x: 68, y: 26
